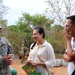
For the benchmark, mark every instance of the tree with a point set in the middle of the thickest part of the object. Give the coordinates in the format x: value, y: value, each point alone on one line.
x: 16, y: 36
x: 57, y: 39
x: 22, y: 31
x: 27, y: 22
x: 60, y: 9
x: 37, y: 19
x: 3, y: 9
x: 3, y: 22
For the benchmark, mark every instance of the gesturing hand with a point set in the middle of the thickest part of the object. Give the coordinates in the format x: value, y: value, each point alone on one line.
x: 35, y: 64
x: 67, y: 34
x: 8, y: 59
x: 29, y: 61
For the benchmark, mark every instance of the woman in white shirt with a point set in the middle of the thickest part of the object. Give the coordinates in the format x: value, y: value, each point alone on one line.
x: 41, y: 54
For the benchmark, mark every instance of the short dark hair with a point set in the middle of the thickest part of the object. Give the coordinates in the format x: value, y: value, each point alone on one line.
x: 72, y: 18
x: 40, y: 30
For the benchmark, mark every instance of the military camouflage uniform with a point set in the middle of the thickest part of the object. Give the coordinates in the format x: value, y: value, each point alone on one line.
x: 5, y: 49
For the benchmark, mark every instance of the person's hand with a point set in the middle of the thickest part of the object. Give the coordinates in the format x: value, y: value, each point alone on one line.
x: 8, y: 59
x: 32, y: 63
x: 67, y: 34
x: 29, y: 61
x: 11, y: 58
x: 10, y: 62
x: 35, y: 64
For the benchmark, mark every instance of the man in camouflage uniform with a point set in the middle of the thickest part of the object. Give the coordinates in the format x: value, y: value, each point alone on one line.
x: 6, y: 55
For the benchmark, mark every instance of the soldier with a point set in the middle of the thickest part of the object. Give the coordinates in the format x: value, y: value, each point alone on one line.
x: 6, y: 55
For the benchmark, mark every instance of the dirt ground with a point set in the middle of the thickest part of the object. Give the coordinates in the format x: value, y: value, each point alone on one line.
x: 56, y: 70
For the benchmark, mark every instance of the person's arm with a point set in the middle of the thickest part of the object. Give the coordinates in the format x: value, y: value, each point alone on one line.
x: 70, y: 55
x: 50, y: 57
x: 5, y: 59
x: 69, y: 58
x: 10, y: 50
x: 37, y: 63
x: 1, y: 61
x: 66, y: 57
x: 10, y: 54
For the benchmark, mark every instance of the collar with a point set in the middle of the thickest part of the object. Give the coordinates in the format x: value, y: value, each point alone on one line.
x: 43, y: 45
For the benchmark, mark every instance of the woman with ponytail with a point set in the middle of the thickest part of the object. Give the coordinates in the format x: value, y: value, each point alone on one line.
x: 41, y: 55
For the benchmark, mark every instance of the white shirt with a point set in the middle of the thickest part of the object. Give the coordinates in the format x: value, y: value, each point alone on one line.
x: 46, y: 54
x: 71, y: 65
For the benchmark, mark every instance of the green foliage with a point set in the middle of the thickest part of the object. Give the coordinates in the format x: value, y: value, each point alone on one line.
x: 37, y: 19
x: 3, y: 9
x: 57, y: 39
x: 14, y: 28
x: 3, y: 23
x: 42, y: 21
x: 22, y: 32
x: 58, y: 28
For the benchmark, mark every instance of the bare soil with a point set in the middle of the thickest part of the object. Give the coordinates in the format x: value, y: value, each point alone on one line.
x: 18, y: 66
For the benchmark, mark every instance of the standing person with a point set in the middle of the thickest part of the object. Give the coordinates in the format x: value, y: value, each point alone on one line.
x: 23, y: 53
x: 69, y: 55
x: 6, y: 55
x: 41, y: 55
x: 23, y: 49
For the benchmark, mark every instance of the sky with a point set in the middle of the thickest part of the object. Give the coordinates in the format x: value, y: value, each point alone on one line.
x: 16, y: 7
